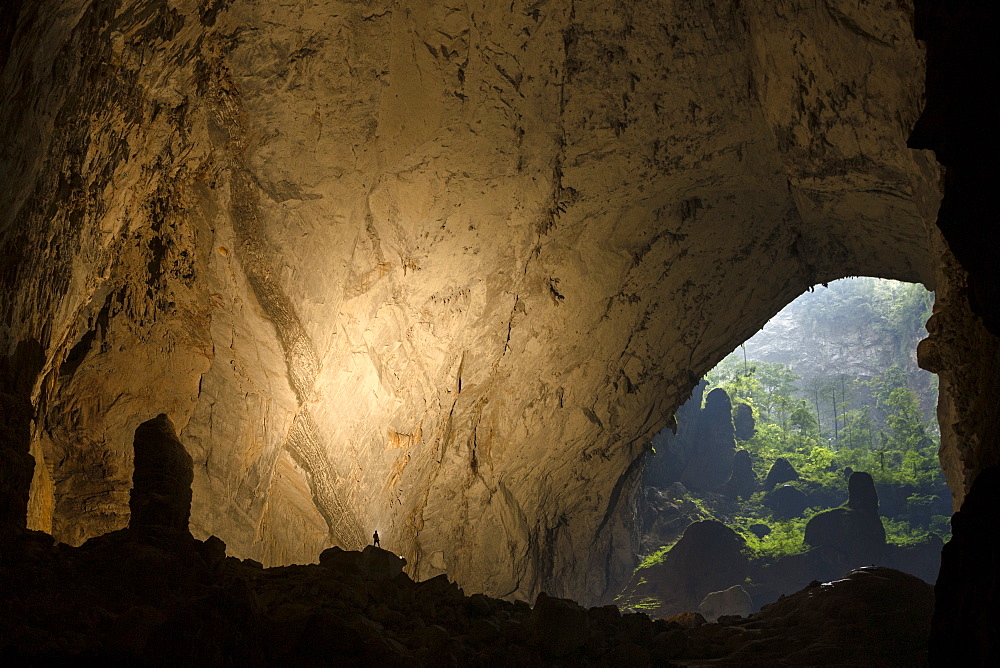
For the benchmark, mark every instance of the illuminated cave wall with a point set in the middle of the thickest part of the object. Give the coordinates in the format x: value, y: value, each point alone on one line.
x: 435, y: 268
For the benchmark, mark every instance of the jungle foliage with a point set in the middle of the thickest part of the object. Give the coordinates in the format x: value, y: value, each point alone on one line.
x: 841, y: 422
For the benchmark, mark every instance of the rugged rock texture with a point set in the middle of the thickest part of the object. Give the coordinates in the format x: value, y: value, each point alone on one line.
x: 436, y: 269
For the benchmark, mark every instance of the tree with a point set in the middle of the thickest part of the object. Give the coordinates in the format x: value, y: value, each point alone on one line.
x: 802, y: 418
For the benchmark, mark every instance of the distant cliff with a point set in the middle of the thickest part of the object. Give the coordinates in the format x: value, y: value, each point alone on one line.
x: 856, y: 327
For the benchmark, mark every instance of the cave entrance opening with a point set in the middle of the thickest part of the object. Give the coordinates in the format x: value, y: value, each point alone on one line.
x: 808, y: 451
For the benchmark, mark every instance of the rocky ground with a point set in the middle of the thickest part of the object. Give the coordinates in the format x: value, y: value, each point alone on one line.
x: 157, y: 596
x: 151, y: 594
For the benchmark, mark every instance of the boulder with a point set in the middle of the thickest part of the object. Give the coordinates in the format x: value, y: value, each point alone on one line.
x: 687, y: 620
x: 559, y: 625
x: 345, y: 561
x: 732, y: 601
x: 759, y: 530
x: 781, y: 471
x: 670, y: 644
x: 212, y: 550
x: 870, y: 617
x: 709, y: 557
x: 787, y: 502
x: 478, y: 605
x: 379, y: 564
x: 440, y: 587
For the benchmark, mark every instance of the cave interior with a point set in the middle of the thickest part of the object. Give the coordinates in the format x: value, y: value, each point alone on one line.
x: 276, y: 277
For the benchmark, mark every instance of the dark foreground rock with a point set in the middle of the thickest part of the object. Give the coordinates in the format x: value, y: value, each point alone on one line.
x: 162, y: 598
x: 153, y: 595
x: 872, y: 617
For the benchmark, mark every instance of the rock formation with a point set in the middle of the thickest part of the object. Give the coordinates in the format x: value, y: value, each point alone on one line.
x: 710, y: 460
x: 161, y: 478
x: 743, y: 422
x: 841, y: 622
x: 699, y: 451
x: 742, y: 481
x: 861, y: 494
x: 154, y: 595
x: 664, y: 514
x: 852, y: 535
x: 671, y: 448
x: 441, y: 270
x: 709, y: 557
x: 786, y: 502
x: 781, y: 471
x: 734, y: 601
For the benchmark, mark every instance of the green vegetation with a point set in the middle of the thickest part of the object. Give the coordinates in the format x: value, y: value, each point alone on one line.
x: 785, y: 539
x: 836, y: 422
x: 827, y: 425
x: 890, y: 440
x: 656, y: 557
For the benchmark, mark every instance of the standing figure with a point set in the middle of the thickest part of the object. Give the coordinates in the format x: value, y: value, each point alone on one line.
x: 375, y: 538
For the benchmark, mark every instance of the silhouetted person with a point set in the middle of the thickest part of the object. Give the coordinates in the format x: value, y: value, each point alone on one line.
x: 375, y: 538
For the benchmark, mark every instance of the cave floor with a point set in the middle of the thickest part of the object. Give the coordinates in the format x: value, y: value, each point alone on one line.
x: 158, y: 596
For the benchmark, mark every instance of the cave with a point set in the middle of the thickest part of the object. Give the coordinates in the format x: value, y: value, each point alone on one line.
x: 443, y: 269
